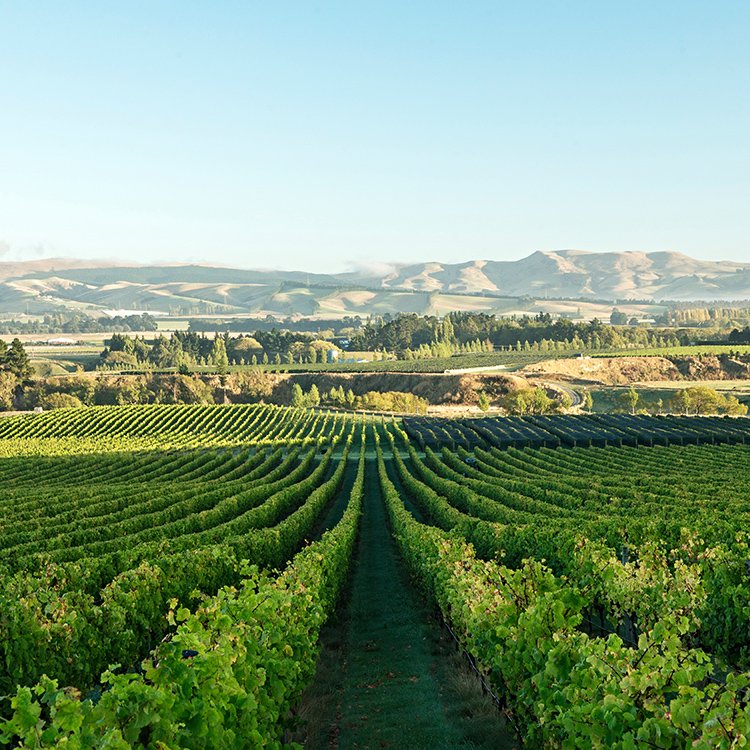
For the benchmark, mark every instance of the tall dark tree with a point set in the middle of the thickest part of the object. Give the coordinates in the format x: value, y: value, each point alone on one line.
x: 17, y: 362
x: 618, y: 318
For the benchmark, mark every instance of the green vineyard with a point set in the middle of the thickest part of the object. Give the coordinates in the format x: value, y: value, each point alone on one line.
x: 167, y: 571
x: 161, y: 427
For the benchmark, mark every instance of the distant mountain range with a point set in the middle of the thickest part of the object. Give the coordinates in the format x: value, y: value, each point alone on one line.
x: 573, y: 273
x: 49, y: 285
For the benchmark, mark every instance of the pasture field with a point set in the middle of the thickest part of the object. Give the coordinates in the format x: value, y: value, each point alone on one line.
x: 167, y: 573
x: 63, y: 360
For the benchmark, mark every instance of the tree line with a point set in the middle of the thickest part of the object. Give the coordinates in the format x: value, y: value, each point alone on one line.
x: 459, y: 330
x: 697, y: 400
x: 390, y: 401
x: 404, y: 337
x: 186, y: 348
x: 78, y: 323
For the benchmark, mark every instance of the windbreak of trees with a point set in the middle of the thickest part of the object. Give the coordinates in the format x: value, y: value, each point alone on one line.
x: 404, y: 337
x: 78, y: 323
x: 712, y: 318
x: 698, y: 399
x: 185, y: 348
x: 391, y: 401
x: 243, y: 387
x: 337, y: 326
x: 247, y: 386
x: 412, y: 336
x: 76, y: 391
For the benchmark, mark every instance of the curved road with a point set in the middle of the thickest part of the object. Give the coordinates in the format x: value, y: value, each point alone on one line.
x: 575, y: 397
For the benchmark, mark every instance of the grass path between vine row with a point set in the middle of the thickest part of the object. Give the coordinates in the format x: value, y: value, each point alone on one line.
x: 388, y: 674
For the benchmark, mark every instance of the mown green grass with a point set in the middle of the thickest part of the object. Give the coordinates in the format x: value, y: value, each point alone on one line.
x: 388, y: 675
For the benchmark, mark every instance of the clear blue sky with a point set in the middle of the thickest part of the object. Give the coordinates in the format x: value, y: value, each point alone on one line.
x: 319, y: 135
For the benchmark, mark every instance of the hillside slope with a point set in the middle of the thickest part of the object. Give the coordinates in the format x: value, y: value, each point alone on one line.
x: 572, y: 273
x: 482, y: 285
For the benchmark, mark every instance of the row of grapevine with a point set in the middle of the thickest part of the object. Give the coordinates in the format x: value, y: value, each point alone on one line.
x: 159, y: 427
x: 577, y: 431
x: 687, y: 539
x: 153, y: 516
x: 49, y: 508
x: 105, y: 596
x: 603, y: 589
x: 566, y: 688
x: 227, y: 676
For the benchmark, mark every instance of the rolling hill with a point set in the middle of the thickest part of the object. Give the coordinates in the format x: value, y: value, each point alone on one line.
x: 489, y: 286
x: 573, y: 273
